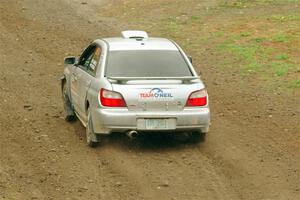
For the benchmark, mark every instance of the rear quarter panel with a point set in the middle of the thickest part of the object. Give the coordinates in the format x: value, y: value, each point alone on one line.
x: 93, y: 93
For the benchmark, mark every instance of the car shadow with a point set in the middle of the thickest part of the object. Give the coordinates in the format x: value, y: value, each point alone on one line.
x: 150, y: 141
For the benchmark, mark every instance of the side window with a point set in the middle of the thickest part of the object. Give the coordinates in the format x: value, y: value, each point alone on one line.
x: 86, y: 57
x: 95, y: 60
x: 88, y: 60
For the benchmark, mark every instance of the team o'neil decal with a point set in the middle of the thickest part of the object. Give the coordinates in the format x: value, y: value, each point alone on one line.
x: 155, y: 94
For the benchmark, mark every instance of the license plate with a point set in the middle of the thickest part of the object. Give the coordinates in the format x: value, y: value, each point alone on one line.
x: 152, y: 124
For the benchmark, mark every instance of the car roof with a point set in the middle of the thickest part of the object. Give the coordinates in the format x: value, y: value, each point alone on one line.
x: 151, y: 43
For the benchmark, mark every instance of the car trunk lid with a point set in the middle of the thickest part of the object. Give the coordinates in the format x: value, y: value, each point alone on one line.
x: 156, y: 95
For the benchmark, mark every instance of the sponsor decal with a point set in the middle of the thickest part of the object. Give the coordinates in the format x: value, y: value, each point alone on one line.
x: 155, y: 94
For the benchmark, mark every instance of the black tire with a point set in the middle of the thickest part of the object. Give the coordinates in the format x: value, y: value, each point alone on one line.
x: 68, y: 108
x: 196, y: 137
x: 92, y: 139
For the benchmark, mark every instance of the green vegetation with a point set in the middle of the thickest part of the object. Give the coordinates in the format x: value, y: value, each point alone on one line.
x: 253, y: 3
x: 171, y: 26
x: 284, y: 18
x: 294, y: 84
x: 247, y: 55
x: 271, y: 55
x: 281, y: 37
x: 254, y: 54
x: 245, y: 34
x: 282, y: 57
x: 263, y: 44
x: 195, y: 18
x: 281, y: 68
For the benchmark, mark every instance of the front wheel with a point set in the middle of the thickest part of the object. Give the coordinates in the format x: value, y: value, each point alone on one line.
x: 91, y: 137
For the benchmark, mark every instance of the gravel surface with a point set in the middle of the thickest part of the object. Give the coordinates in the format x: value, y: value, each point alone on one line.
x: 251, y: 152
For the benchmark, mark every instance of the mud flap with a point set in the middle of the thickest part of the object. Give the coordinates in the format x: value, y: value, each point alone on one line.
x: 70, y: 114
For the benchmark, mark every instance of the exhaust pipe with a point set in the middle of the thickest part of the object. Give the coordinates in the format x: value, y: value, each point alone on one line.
x: 132, y: 134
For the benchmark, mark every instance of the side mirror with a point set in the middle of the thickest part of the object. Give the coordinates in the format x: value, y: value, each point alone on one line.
x: 190, y: 59
x: 70, y: 60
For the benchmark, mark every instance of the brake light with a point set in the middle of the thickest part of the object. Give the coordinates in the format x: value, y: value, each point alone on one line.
x: 197, y: 98
x: 111, y: 99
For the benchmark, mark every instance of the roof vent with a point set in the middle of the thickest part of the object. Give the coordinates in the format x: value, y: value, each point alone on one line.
x: 139, y: 35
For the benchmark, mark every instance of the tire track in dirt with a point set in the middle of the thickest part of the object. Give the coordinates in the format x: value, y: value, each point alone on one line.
x: 164, y: 169
x: 46, y: 145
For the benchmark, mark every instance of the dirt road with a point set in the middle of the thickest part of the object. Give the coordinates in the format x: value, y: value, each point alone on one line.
x: 251, y: 152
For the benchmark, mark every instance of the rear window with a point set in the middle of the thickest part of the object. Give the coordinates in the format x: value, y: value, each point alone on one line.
x: 146, y: 63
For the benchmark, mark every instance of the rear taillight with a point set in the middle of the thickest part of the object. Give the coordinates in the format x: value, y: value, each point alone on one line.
x: 197, y: 98
x: 111, y: 99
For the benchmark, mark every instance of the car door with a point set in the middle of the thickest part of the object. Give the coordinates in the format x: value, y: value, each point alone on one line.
x: 87, y: 79
x: 80, y: 81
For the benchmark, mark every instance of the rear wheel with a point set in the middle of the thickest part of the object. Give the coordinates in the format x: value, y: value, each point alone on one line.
x: 68, y: 108
x: 91, y: 138
x: 196, y: 137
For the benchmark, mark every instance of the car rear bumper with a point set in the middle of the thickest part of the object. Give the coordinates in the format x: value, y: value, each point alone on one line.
x: 106, y: 121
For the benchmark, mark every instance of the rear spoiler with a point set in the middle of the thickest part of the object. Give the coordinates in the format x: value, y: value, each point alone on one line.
x: 184, y: 79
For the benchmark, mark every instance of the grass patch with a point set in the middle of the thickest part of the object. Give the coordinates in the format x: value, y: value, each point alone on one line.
x: 259, y: 39
x: 195, y: 18
x: 250, y: 54
x: 294, y: 84
x: 245, y: 34
x: 253, y: 3
x: 263, y: 43
x: 218, y: 34
x: 282, y: 57
x: 176, y: 26
x: 281, y: 68
x: 265, y: 47
x: 285, y: 18
x: 171, y: 26
x: 281, y: 37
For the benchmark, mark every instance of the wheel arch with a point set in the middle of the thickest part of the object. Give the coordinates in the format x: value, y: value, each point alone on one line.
x: 63, y: 80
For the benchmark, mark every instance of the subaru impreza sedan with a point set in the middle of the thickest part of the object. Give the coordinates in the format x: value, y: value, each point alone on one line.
x: 133, y: 84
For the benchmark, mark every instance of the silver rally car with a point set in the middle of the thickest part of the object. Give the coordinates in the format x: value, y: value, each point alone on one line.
x: 132, y: 84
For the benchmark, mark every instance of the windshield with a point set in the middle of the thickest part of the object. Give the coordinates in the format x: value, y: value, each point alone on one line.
x: 146, y: 63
